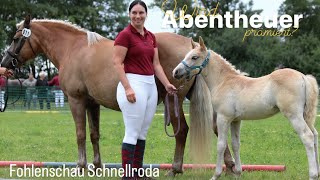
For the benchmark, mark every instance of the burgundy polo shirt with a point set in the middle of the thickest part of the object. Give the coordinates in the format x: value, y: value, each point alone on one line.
x: 139, y: 57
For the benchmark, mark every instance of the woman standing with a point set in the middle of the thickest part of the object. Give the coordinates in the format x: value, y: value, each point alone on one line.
x: 136, y: 60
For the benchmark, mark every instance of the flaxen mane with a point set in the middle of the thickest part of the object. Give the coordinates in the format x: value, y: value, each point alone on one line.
x: 92, y: 37
x: 227, y: 63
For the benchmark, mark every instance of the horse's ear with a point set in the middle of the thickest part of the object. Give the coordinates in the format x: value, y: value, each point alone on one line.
x: 202, y: 46
x: 27, y: 21
x: 193, y: 43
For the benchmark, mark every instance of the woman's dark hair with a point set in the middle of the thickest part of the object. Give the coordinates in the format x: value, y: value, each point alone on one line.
x: 135, y: 2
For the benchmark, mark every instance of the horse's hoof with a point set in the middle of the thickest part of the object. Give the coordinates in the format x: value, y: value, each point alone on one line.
x: 238, y: 174
x: 97, y: 165
x: 81, y: 169
x: 230, y: 170
x: 170, y: 173
x: 213, y: 178
x: 173, y: 173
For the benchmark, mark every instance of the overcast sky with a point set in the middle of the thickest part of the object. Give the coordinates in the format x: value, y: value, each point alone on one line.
x: 155, y: 15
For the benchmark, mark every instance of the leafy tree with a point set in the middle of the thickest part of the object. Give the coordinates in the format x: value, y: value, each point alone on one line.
x: 303, y: 48
x: 302, y: 53
x: 310, y: 9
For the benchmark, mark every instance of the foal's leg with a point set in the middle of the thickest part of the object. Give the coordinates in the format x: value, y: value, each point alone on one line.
x: 228, y: 160
x: 315, y: 135
x: 223, y: 125
x: 180, y: 141
x: 235, y: 136
x: 77, y: 107
x: 307, y: 138
x: 93, y: 111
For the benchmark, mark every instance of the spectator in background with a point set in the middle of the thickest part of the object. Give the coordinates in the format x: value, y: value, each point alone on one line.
x: 31, y: 94
x: 42, y: 87
x: 58, y: 94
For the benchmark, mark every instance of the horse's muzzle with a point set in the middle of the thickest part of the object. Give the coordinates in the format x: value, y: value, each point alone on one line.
x: 8, y: 61
x: 177, y: 73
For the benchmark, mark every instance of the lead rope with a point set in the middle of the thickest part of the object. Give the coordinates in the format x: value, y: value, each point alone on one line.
x: 167, y: 119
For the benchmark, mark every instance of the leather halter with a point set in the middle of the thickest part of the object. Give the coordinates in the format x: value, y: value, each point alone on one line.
x: 26, y: 34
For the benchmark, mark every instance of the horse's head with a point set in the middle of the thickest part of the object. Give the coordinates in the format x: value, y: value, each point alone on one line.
x: 194, y: 61
x: 21, y: 48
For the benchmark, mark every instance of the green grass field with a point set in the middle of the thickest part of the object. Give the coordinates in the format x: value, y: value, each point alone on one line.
x: 48, y: 137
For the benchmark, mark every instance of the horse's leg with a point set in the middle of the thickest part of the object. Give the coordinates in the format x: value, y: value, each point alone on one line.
x: 223, y: 125
x: 93, y: 111
x: 180, y: 141
x: 235, y: 136
x: 228, y: 160
x: 315, y: 134
x: 78, y: 110
x: 307, y: 138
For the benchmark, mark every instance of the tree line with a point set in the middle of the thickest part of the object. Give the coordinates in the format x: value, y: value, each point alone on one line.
x: 258, y: 55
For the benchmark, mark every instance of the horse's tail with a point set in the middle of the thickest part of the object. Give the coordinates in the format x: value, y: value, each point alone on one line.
x: 201, y: 121
x: 312, y: 92
x: 310, y: 109
x: 93, y: 37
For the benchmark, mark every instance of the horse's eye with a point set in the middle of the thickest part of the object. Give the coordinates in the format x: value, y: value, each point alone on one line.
x: 195, y: 57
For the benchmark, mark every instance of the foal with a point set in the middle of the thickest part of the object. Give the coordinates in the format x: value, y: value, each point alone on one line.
x: 236, y: 97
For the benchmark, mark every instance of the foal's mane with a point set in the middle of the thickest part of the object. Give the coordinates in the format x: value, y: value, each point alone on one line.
x: 228, y: 64
x: 92, y: 37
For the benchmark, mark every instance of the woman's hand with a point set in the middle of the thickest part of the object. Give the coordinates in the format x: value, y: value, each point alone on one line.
x: 131, y: 96
x: 6, y: 72
x: 2, y: 70
x: 171, y: 89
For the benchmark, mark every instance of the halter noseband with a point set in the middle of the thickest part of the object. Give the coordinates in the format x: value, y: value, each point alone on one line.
x: 26, y: 33
x: 190, y: 68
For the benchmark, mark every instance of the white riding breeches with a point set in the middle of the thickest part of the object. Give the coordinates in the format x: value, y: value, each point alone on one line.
x: 138, y: 116
x: 2, y: 102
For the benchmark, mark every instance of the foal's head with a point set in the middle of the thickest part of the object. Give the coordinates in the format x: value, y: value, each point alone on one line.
x: 194, y: 61
x: 22, y: 47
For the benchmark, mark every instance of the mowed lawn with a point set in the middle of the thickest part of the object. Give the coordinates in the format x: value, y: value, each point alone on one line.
x: 50, y: 137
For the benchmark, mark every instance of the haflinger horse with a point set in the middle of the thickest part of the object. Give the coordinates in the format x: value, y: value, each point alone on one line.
x: 235, y: 97
x: 88, y: 78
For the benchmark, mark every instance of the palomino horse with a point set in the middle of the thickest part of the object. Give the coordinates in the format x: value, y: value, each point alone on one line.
x: 236, y: 97
x: 88, y: 78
